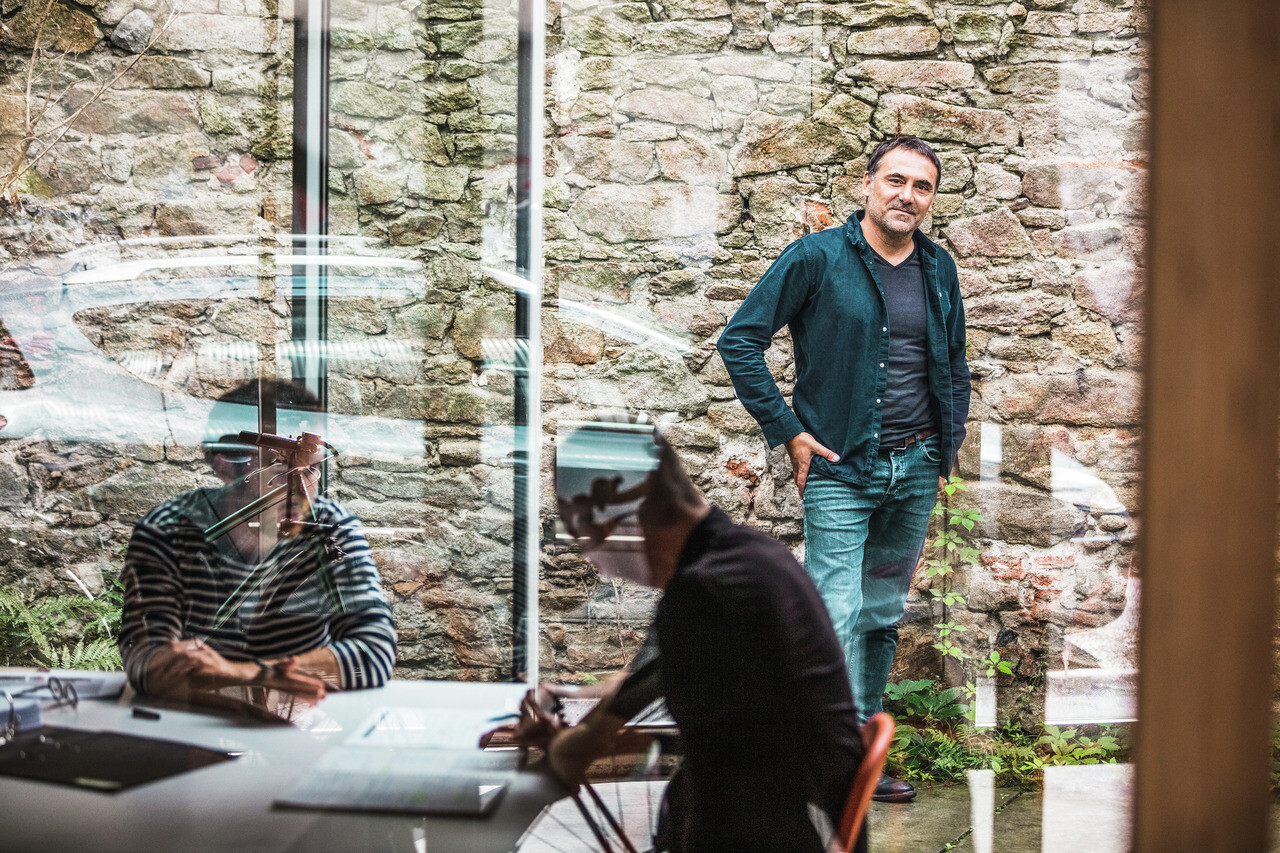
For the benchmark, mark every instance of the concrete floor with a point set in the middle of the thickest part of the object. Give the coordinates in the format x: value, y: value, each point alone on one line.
x: 1080, y: 810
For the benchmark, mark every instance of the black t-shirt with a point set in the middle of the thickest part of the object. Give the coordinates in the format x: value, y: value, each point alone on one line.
x: 755, y: 679
x: 908, y: 406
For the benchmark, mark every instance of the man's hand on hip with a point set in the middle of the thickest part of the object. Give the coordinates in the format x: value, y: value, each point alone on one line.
x: 802, y: 449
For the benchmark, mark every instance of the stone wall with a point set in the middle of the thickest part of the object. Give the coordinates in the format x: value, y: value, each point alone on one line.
x: 686, y: 144
x: 690, y: 141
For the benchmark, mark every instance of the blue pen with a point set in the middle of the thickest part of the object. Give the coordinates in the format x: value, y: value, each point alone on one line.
x: 501, y: 717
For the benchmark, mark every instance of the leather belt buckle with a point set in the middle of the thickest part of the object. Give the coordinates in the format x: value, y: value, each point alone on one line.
x: 909, y: 440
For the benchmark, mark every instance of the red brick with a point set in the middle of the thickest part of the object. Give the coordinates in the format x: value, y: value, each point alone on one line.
x: 1005, y: 568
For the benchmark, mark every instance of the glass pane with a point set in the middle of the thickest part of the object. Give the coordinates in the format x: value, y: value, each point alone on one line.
x: 422, y: 139
x: 204, y: 200
x: 687, y: 147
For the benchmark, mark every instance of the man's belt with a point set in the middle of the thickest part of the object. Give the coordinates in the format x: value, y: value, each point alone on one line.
x: 903, y: 444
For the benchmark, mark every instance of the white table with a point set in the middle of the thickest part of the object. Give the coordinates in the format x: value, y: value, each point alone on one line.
x: 228, y: 806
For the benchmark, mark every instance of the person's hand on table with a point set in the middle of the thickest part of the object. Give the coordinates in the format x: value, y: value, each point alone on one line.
x: 571, y: 752
x: 193, y: 664
x: 537, y: 723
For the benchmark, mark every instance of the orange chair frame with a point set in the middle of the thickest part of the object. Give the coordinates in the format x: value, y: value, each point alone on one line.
x: 877, y: 734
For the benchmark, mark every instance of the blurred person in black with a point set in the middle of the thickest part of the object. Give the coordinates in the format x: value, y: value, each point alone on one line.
x: 746, y: 658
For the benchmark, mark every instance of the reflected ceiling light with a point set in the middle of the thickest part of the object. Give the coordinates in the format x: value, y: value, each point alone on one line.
x: 597, y: 316
x: 128, y: 270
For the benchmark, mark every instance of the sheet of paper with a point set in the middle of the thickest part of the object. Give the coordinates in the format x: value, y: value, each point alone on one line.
x: 414, y: 728
x: 88, y: 685
x: 412, y: 780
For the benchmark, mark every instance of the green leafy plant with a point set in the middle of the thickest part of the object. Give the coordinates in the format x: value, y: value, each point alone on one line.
x: 993, y: 663
x: 923, y: 699
x: 935, y: 743
x: 61, y: 631
x: 949, y: 549
x: 1070, y: 747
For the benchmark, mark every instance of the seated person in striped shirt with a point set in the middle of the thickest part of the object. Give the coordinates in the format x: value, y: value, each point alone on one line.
x: 294, y: 607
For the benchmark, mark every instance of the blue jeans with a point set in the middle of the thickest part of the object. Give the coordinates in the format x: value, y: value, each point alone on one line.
x: 862, y: 544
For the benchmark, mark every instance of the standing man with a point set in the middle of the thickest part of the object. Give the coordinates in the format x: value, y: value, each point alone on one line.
x: 880, y: 401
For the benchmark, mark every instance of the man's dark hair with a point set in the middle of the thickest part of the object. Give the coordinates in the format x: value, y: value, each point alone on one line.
x: 908, y: 143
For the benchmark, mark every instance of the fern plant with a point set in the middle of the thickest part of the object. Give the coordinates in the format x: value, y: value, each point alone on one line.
x: 61, y: 631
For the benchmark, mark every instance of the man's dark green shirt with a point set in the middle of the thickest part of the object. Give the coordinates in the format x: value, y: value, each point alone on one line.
x: 825, y: 287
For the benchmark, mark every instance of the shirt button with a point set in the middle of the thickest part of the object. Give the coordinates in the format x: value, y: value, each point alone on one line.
x: 877, y: 399
x: 882, y: 364
x: 876, y: 435
x: 884, y: 328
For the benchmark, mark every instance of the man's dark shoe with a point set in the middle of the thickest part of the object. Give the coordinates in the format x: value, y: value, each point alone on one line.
x: 891, y: 790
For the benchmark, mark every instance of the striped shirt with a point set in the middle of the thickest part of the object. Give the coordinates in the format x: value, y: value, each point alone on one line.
x: 309, y: 592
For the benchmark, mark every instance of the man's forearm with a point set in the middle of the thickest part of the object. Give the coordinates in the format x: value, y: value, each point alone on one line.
x: 320, y: 663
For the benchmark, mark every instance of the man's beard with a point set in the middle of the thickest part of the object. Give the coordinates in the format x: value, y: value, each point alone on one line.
x: 895, y: 226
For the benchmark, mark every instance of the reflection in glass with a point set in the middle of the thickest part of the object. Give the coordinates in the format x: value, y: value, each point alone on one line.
x: 250, y: 196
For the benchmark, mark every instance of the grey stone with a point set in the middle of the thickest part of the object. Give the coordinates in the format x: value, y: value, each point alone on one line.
x: 648, y: 381
x: 134, y: 112
x: 216, y: 33
x: 867, y: 13
x: 602, y: 34
x: 734, y: 94
x: 1113, y: 290
x: 569, y: 342
x: 680, y: 9
x: 1092, y: 241
x: 686, y: 37
x: 772, y: 145
x: 655, y: 211
x: 610, y: 159
x: 672, y: 73
x: 395, y: 29
x: 1033, y: 48
x: 668, y: 106
x: 1092, y: 340
x: 937, y: 120
x: 609, y: 282
x: 374, y: 187
x: 1050, y: 23
x: 438, y: 183
x: 1022, y: 515
x: 117, y: 163
x: 755, y: 67
x: 414, y: 228
x: 894, y: 41
x: 134, y: 31
x: 443, y: 97
x: 1012, y: 311
x: 238, y: 80
x: 691, y: 160
x: 166, y: 72
x: 1090, y: 396
x: 956, y: 171
x: 996, y: 234
x: 806, y: 40
x: 494, y: 48
x: 995, y: 182
x: 357, y: 98
x: 973, y: 26
x: 599, y: 72
x: 915, y: 74
x: 457, y: 37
